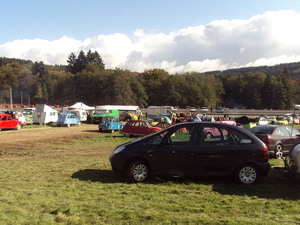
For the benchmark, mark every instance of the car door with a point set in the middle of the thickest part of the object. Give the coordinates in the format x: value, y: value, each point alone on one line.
x: 143, y: 128
x: 6, y: 122
x: 175, y: 155
x: 287, y: 136
x: 216, y: 154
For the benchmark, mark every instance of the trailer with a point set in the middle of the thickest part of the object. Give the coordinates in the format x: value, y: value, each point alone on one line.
x: 291, y: 163
x: 153, y: 111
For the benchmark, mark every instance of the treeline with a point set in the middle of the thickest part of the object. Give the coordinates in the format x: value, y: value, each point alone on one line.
x: 85, y: 79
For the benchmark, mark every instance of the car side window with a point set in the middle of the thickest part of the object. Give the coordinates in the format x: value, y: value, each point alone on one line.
x: 157, y: 139
x: 240, y: 137
x: 282, y: 131
x: 186, y: 135
x: 216, y: 136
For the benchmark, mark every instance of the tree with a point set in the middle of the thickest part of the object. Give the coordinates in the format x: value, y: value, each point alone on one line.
x: 76, y: 65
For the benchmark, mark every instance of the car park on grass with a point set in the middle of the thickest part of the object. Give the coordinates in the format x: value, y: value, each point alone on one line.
x: 279, y: 138
x: 67, y: 119
x: 110, y: 124
x: 183, y: 150
x: 7, y: 122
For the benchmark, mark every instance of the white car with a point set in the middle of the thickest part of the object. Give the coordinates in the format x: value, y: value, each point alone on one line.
x: 192, y: 109
x: 204, y: 109
x: 262, y: 121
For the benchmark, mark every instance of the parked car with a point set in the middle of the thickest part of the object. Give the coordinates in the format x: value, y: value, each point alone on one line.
x: 110, y: 123
x: 183, y: 150
x: 204, y: 109
x: 278, y: 138
x: 67, y: 119
x: 220, y: 110
x: 262, y: 121
x: 158, y: 119
x: 7, y: 122
x: 138, y: 128
x: 193, y: 109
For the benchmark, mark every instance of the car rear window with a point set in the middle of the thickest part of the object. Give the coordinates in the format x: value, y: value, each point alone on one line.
x: 261, y: 130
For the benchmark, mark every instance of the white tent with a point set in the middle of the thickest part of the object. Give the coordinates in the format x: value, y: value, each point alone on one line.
x: 80, y: 106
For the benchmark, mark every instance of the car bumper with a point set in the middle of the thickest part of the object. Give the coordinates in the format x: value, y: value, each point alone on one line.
x: 264, y: 169
x: 117, y: 163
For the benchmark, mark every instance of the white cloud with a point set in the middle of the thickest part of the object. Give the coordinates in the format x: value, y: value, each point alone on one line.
x: 267, y: 39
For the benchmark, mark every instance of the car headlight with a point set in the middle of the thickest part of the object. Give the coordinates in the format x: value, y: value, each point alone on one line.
x: 119, y: 149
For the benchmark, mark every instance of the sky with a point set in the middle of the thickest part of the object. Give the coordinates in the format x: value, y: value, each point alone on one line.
x: 177, y: 36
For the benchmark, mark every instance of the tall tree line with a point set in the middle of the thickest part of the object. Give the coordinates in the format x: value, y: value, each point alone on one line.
x: 86, y: 79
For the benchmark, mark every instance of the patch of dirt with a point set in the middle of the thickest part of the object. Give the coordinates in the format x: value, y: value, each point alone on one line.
x: 17, y: 140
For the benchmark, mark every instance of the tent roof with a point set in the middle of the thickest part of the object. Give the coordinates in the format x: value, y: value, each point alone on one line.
x: 81, y: 106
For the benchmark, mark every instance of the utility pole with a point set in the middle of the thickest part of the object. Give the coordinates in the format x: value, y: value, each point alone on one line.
x: 10, y: 94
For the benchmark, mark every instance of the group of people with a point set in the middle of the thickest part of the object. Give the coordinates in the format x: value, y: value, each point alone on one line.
x: 14, y: 114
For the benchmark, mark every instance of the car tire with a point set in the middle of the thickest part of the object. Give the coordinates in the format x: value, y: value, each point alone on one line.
x: 79, y: 124
x: 111, y: 131
x: 138, y: 171
x: 278, y: 151
x: 68, y: 125
x: 247, y: 174
x: 18, y: 127
x: 208, y: 135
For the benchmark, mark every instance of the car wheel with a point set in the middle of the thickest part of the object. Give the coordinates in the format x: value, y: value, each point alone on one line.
x: 278, y: 151
x: 208, y: 135
x: 100, y: 129
x: 111, y: 131
x: 68, y: 125
x: 247, y: 174
x: 18, y: 127
x: 79, y: 124
x: 138, y: 171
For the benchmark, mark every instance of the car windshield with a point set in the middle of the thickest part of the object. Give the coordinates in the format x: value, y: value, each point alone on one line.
x: 100, y: 112
x: 262, y: 130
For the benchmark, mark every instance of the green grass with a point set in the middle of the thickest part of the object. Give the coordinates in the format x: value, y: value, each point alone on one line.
x: 72, y: 183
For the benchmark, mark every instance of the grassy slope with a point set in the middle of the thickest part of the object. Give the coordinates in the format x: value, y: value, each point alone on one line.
x: 72, y: 183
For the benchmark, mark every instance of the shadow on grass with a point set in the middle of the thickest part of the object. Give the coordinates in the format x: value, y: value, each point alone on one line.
x: 103, y: 176
x: 275, y: 186
x: 106, y: 176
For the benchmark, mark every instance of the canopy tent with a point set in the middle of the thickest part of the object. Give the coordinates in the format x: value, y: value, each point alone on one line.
x: 80, y: 106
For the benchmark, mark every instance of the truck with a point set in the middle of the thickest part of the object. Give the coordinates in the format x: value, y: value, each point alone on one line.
x: 153, y: 111
x: 114, y: 110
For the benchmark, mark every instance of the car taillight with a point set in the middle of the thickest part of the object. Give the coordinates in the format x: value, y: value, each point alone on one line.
x: 266, y: 152
x: 265, y: 138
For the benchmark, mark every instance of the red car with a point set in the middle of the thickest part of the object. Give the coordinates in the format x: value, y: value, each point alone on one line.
x: 138, y: 128
x: 7, y: 122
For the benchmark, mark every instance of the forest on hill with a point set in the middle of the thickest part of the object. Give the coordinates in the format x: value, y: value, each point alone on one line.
x: 86, y: 79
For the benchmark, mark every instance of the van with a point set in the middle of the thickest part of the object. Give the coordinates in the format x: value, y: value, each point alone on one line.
x: 99, y: 114
x: 80, y: 114
x: 157, y: 110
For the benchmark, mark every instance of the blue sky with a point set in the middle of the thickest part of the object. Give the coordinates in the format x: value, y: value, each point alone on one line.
x: 140, y: 35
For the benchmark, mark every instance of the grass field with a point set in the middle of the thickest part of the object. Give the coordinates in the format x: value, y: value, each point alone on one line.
x: 72, y: 183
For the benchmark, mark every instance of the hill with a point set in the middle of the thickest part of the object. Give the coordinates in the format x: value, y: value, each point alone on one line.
x: 294, y: 69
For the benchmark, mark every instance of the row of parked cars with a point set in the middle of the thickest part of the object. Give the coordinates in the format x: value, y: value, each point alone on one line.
x: 201, y: 149
x: 8, y: 122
